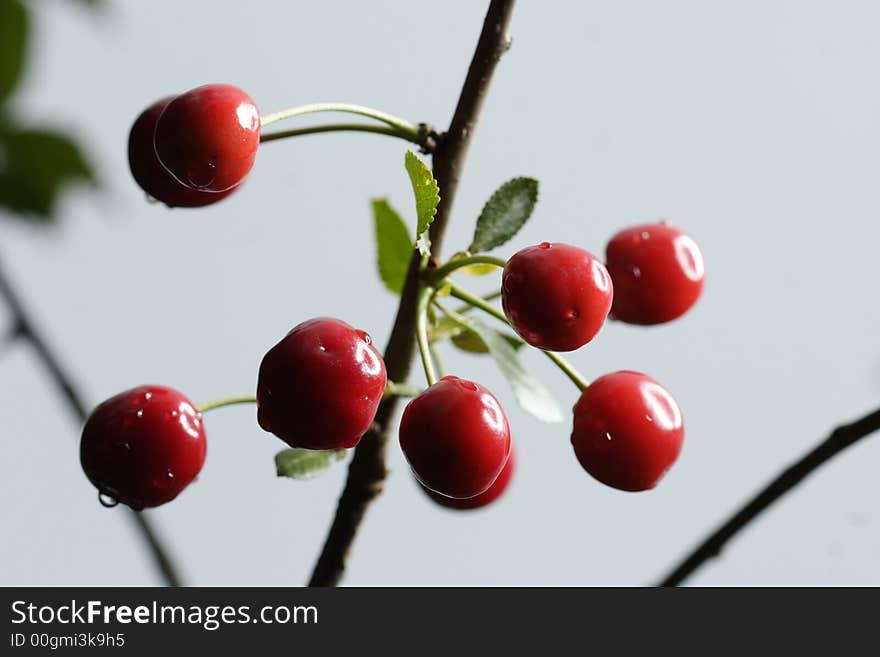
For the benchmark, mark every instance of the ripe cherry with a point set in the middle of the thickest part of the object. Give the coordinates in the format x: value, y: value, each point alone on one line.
x: 321, y: 385
x: 149, y: 173
x: 556, y: 296
x: 456, y: 437
x: 628, y: 430
x: 143, y: 446
x: 207, y: 138
x: 483, y: 499
x: 657, y: 272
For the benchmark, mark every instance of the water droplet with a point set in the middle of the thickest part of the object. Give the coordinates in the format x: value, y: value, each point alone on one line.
x: 107, y: 501
x: 544, y: 245
x: 170, y: 475
x: 637, y: 272
x: 574, y: 313
x: 148, y: 396
x: 649, y: 418
x: 140, y: 412
x: 365, y: 337
x: 322, y: 348
x: 607, y: 435
x: 151, y: 199
x: 645, y: 235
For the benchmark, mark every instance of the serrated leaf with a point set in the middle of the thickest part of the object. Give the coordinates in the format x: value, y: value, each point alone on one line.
x: 298, y: 463
x: 529, y: 392
x: 37, y: 165
x: 394, y: 245
x: 13, y: 44
x: 504, y: 214
x: 427, y: 195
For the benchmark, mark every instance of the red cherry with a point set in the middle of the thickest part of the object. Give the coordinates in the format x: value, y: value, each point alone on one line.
x: 556, y: 296
x: 456, y: 437
x: 483, y: 499
x: 208, y: 137
x: 657, y: 272
x: 320, y: 387
x: 628, y: 430
x: 143, y: 446
x: 149, y: 173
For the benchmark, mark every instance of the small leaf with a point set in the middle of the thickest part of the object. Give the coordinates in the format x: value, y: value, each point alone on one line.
x: 471, y: 342
x: 36, y: 167
x: 481, y: 269
x: 530, y: 393
x: 13, y: 44
x: 505, y: 213
x: 394, y: 245
x: 427, y: 195
x: 299, y: 463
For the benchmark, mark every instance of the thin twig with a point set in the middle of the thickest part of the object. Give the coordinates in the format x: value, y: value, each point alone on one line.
x: 27, y: 330
x: 839, y: 440
x: 367, y: 471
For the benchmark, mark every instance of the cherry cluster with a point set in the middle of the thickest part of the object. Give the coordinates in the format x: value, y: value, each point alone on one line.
x: 320, y: 387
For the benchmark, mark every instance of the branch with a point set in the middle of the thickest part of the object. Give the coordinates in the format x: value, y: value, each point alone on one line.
x: 26, y: 330
x: 839, y: 440
x: 367, y: 472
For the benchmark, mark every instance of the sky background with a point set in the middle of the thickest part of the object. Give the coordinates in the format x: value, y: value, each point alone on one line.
x: 752, y: 125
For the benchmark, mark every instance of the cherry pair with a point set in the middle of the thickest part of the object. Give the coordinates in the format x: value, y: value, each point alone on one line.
x: 557, y: 296
x: 195, y: 149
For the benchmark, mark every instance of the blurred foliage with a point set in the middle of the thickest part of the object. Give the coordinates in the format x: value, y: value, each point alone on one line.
x: 37, y: 164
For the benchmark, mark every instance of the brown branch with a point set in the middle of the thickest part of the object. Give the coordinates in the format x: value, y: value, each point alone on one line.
x: 839, y: 440
x: 26, y: 330
x: 366, y: 474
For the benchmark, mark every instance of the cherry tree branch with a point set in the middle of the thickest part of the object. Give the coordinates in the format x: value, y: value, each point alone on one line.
x: 367, y: 472
x: 26, y: 330
x: 841, y: 438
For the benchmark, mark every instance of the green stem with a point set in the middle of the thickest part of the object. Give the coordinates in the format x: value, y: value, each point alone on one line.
x: 342, y: 127
x: 393, y: 389
x: 567, y: 368
x: 486, y: 297
x: 424, y: 299
x: 442, y: 272
x: 228, y: 401
x: 394, y: 121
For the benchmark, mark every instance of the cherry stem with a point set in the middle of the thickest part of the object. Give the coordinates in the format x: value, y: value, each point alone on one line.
x: 344, y: 127
x: 424, y: 299
x: 442, y: 272
x: 402, y: 125
x: 393, y: 389
x: 227, y: 401
x: 567, y: 368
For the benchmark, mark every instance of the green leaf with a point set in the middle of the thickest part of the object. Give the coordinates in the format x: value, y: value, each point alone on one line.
x: 35, y: 167
x: 394, y: 245
x: 481, y: 269
x: 505, y: 213
x: 529, y: 392
x: 427, y: 195
x: 13, y: 44
x: 471, y: 342
x: 300, y: 463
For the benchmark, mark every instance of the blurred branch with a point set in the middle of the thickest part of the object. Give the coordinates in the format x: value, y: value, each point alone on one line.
x: 367, y: 471
x: 839, y: 440
x: 25, y: 329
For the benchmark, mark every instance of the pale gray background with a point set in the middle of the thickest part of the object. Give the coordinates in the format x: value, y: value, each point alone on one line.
x: 752, y: 124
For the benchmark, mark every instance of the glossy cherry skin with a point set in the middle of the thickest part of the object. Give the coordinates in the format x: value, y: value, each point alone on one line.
x: 456, y: 437
x: 320, y: 387
x: 143, y: 446
x: 149, y: 173
x: 483, y: 499
x: 556, y: 296
x: 657, y: 272
x: 207, y: 138
x: 628, y: 430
